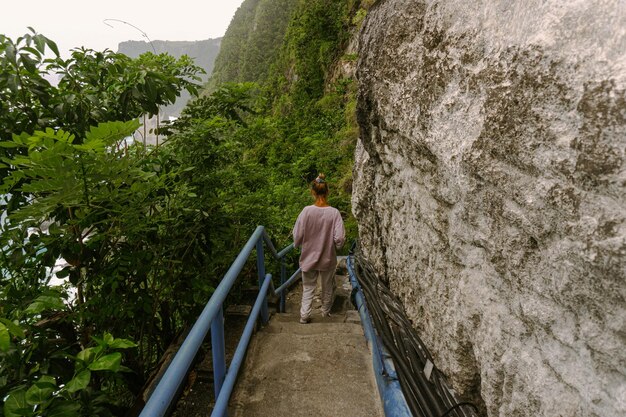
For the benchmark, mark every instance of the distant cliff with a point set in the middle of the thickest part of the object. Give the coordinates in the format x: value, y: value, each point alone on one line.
x: 490, y: 189
x: 253, y: 41
x: 203, y: 52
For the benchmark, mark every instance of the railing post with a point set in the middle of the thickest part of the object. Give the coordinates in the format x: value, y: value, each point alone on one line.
x: 283, y: 277
x: 218, y: 349
x: 260, y: 266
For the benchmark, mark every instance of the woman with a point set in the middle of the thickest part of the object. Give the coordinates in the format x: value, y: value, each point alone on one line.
x: 319, y: 231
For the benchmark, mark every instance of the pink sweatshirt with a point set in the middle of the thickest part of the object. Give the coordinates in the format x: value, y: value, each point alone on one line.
x: 319, y: 230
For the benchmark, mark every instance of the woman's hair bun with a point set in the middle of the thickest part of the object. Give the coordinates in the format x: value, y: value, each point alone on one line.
x: 320, y: 179
x: 319, y: 186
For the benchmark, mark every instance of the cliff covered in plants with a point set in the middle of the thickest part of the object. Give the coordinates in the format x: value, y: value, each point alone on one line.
x: 253, y: 40
x: 292, y: 62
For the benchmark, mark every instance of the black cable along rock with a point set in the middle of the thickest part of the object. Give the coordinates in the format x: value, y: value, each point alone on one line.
x: 426, y: 397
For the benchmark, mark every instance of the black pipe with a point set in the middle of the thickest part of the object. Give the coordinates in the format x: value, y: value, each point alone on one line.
x: 457, y: 406
x: 417, y: 386
x: 425, y: 397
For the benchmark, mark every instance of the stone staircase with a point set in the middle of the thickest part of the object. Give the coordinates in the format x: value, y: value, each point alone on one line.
x: 321, y: 369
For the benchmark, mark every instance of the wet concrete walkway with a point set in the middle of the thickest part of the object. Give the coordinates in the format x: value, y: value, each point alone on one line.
x: 321, y: 369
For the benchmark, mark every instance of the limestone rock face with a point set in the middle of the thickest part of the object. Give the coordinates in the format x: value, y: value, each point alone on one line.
x: 489, y: 187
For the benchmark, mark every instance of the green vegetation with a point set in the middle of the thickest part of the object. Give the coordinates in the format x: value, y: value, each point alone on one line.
x: 203, y: 53
x: 305, y: 120
x: 73, y: 188
x: 147, y: 233
x: 252, y: 41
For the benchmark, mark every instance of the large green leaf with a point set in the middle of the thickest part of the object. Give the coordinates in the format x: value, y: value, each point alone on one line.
x: 15, y: 329
x: 52, y: 45
x: 64, y: 409
x: 41, y: 390
x: 45, y: 302
x: 5, y: 338
x: 88, y: 355
x: 79, y: 382
x: 110, y: 362
x: 29, y: 63
x: 16, y: 405
x: 108, y: 338
x: 122, y: 344
x: 107, y: 134
x: 40, y: 43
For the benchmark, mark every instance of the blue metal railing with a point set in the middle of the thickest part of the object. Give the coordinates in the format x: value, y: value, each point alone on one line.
x: 213, y: 317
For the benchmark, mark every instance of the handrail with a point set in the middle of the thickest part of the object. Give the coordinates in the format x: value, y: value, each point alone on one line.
x: 212, y: 317
x: 284, y: 252
x: 287, y: 283
x: 221, y: 403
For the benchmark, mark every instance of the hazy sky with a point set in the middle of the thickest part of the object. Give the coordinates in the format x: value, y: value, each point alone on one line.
x: 73, y: 23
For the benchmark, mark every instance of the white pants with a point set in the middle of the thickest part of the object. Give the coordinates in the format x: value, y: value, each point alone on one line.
x: 309, y: 283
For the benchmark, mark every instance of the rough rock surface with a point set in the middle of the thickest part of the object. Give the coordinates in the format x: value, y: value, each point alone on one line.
x: 489, y: 187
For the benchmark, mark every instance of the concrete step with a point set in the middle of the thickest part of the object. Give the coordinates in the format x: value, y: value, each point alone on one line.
x: 346, y: 322
x: 319, y: 369
x: 281, y: 323
x: 322, y: 369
